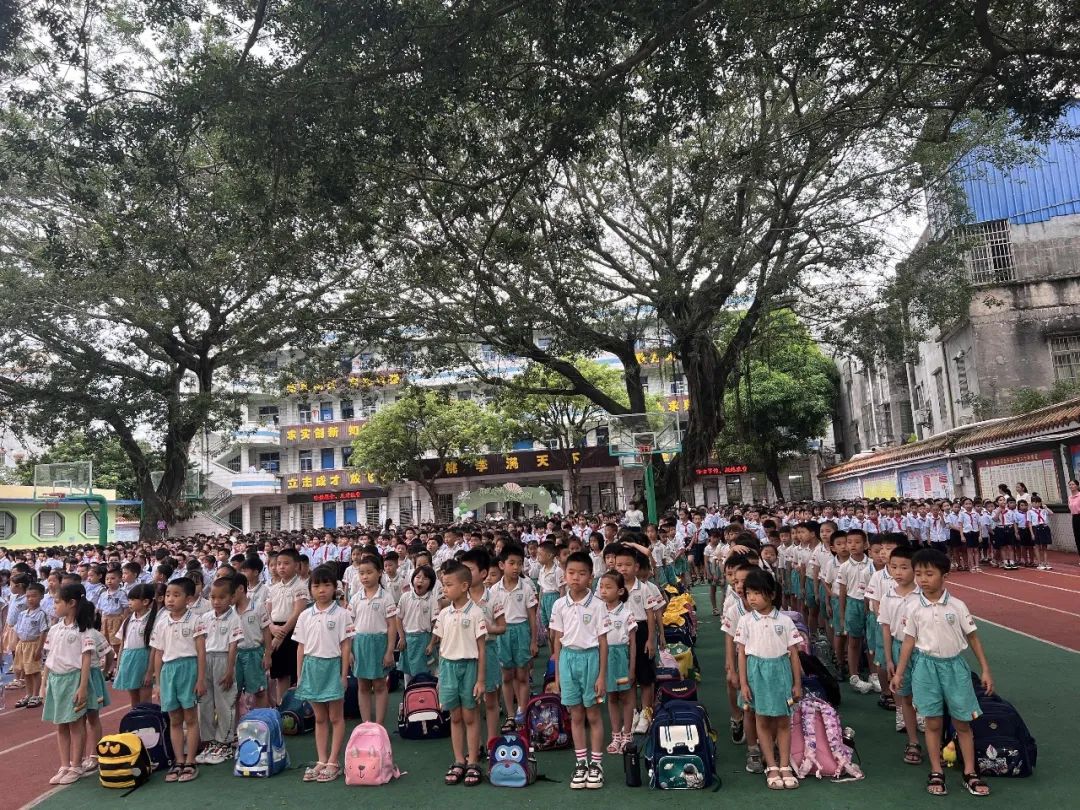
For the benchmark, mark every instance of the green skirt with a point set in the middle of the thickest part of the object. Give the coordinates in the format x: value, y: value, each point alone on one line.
x: 320, y: 680
x: 770, y: 681
x: 368, y: 650
x: 618, y: 667
x: 131, y: 671
x: 98, y: 693
x: 414, y: 657
x: 60, y: 689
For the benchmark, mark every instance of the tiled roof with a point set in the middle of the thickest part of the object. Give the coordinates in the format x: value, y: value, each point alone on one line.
x: 1031, y: 425
x: 933, y: 446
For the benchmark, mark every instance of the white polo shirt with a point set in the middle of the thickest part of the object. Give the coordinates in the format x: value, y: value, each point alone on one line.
x: 621, y: 623
x: 395, y: 587
x: 493, y: 604
x: 418, y: 613
x: 460, y: 631
x: 940, y: 628
x: 176, y: 637
x: 880, y: 581
x: 372, y: 615
x: 322, y: 631
x: 284, y: 596
x: 855, y: 575
x: 733, y: 613
x: 551, y: 579
x: 767, y: 636
x: 223, y: 630
x: 892, y: 610
x: 252, y: 623
x: 64, y: 647
x: 132, y: 635
x: 517, y: 600
x: 644, y: 596
x: 260, y: 596
x: 580, y: 623
x: 969, y: 521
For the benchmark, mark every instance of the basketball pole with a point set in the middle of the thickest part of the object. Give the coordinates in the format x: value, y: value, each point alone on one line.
x: 650, y: 491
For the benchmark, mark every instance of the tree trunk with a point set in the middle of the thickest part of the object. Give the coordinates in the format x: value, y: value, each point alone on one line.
x: 772, y: 473
x: 575, y: 478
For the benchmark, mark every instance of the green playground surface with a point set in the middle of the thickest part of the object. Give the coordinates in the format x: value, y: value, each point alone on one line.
x: 1039, y: 679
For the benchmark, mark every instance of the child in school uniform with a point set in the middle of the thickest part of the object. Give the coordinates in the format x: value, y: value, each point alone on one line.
x: 1025, y: 542
x: 460, y: 632
x: 1040, y: 531
x: 97, y: 698
x: 478, y: 561
x: 323, y: 636
x: 217, y: 708
x: 253, y: 649
x: 854, y: 575
x: 579, y: 627
x: 133, y: 670
x: 518, y: 643
x: 375, y: 627
x: 940, y: 627
x: 743, y: 722
x: 179, y: 642
x: 770, y: 675
x: 417, y: 610
x: 288, y: 597
x: 112, y: 604
x: 892, y: 616
x: 69, y: 652
x: 620, y: 660
x: 549, y: 580
x: 30, y: 629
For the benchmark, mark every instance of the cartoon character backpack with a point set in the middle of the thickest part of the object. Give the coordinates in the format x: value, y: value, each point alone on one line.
x: 369, y: 759
x: 817, y: 742
x: 151, y: 725
x: 260, y: 745
x: 123, y: 761
x: 510, y: 762
x: 547, y: 723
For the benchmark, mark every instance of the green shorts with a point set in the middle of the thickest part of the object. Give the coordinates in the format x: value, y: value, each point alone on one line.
x: 578, y: 671
x: 177, y: 686
x: 492, y: 673
x: 810, y: 595
x: 837, y: 619
x: 250, y: 675
x: 514, y: 646
x: 940, y: 685
x: 905, y: 682
x: 855, y: 618
x: 457, y: 680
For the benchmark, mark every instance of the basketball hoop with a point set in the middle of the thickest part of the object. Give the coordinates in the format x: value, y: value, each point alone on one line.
x: 52, y: 499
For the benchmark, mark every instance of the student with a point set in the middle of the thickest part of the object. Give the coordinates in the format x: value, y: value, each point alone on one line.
x: 97, y: 699
x: 253, y: 649
x: 644, y: 600
x: 69, y: 653
x: 579, y: 627
x: 853, y: 575
x: 133, y: 672
x: 837, y: 631
x: 714, y: 567
x: 620, y: 660
x: 770, y: 675
x: 417, y: 610
x: 30, y: 628
x: 892, y: 616
x: 112, y: 604
x: 257, y: 591
x: 1025, y: 543
x: 518, y: 644
x: 393, y: 581
x: 969, y: 526
x: 217, y: 708
x: 550, y: 581
x: 1040, y: 530
x: 881, y: 546
x: 460, y: 632
x: 323, y: 636
x: 288, y: 598
x: 743, y: 722
x: 375, y: 628
x: 478, y: 561
x: 940, y: 627
x: 179, y: 644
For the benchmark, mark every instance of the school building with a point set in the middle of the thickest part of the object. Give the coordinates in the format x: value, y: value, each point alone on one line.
x: 29, y: 523
x: 1040, y: 449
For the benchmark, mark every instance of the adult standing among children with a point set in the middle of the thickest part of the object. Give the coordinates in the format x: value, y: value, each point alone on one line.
x: 1074, y: 508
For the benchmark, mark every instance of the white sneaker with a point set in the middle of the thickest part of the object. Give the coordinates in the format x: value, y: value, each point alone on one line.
x: 216, y: 754
x: 920, y: 722
x: 642, y: 725
x: 635, y: 721
x: 899, y: 718
x: 875, y: 682
x: 201, y: 757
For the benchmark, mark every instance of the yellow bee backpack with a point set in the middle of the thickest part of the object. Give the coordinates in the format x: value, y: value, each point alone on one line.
x: 123, y: 762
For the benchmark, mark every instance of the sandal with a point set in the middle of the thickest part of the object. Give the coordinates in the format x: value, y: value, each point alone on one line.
x: 887, y: 702
x: 616, y: 744
x: 311, y: 773
x: 329, y: 773
x: 173, y: 773
x: 913, y: 754
x: 774, y: 782
x: 455, y: 774
x: 188, y: 772
x: 22, y: 704
x: 976, y: 786
x: 788, y: 777
x: 935, y: 784
x: 473, y: 776
x: 34, y: 703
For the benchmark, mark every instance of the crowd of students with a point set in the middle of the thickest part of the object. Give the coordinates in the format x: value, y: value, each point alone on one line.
x: 195, y: 624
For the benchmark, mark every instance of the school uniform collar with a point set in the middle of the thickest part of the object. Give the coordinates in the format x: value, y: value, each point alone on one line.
x: 363, y: 597
x: 584, y: 603
x: 465, y: 609
x: 215, y: 617
x: 944, y: 600
x: 181, y: 620
x: 330, y: 609
x: 520, y: 584
x: 772, y: 614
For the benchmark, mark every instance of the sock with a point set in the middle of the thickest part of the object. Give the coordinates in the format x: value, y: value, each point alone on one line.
x: 596, y: 757
x: 579, y: 754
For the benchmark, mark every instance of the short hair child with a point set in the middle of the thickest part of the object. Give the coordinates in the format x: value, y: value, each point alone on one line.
x: 518, y: 644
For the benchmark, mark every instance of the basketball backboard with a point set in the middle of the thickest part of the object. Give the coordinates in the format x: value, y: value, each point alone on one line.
x: 67, y: 479
x: 633, y: 435
x: 192, y: 483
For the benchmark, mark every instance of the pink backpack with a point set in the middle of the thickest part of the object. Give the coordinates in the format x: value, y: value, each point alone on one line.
x: 369, y: 759
x: 817, y: 742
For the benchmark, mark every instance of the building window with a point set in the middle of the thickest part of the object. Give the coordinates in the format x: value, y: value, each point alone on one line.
x: 886, y: 423
x: 371, y: 511
x: 268, y: 414
x: 305, y: 461
x: 584, y: 499
x: 88, y: 524
x: 7, y: 525
x: 444, y: 507
x: 307, y: 515
x: 550, y: 444
x: 464, y: 396
x: 346, y: 454
x: 404, y: 510
x: 270, y: 462
x: 236, y: 518
x: 677, y: 385
x: 990, y: 260
x: 939, y: 386
x: 326, y: 411
x: 1065, y: 354
x: 346, y: 409
x: 733, y: 484
x: 603, y: 437
x: 48, y: 524
x: 607, y: 496
x: 270, y: 518
x: 327, y: 458
x: 488, y: 354
x: 303, y: 412
x: 962, y: 386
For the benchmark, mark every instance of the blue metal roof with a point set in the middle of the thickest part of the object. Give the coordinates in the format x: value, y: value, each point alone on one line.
x: 1034, y: 191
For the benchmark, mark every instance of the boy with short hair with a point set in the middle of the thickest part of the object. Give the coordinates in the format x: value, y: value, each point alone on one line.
x: 853, y: 575
x: 518, y: 643
x: 644, y: 599
x: 892, y: 616
x: 478, y: 561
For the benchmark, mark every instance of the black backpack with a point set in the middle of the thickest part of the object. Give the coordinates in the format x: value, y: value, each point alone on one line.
x: 818, y: 680
x: 1003, y: 744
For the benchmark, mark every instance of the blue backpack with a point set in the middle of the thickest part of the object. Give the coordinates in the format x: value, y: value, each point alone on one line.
x: 681, y: 748
x: 151, y: 725
x: 510, y: 762
x: 297, y: 716
x: 260, y: 745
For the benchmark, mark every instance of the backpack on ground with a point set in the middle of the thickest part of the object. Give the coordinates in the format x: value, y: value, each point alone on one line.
x: 547, y: 723
x: 1003, y: 744
x: 419, y: 715
x: 817, y: 680
x: 297, y: 716
x: 676, y: 690
x: 351, y: 706
x: 800, y: 625
x: 510, y: 760
x: 684, y: 658
x: 260, y: 745
x: 817, y: 742
x: 681, y: 748
x: 123, y: 761
x: 369, y: 759
x: 822, y: 650
x: 151, y: 725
